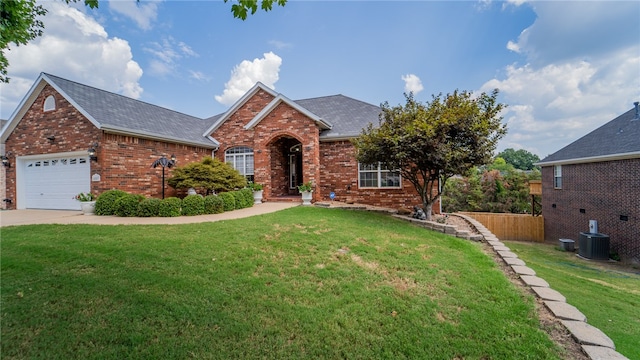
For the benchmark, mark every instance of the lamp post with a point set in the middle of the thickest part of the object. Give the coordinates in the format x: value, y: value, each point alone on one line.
x: 165, y: 163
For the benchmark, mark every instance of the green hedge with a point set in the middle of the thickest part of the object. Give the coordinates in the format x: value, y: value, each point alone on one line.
x: 170, y: 207
x: 229, y: 201
x: 213, y: 204
x: 127, y: 205
x: 106, y: 202
x: 246, y: 195
x: 149, y: 207
x: 193, y: 205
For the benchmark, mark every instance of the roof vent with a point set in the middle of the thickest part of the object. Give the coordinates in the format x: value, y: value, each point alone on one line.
x: 637, y: 117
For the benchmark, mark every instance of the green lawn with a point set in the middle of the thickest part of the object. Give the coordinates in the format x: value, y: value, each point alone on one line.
x: 300, y: 283
x: 608, y: 294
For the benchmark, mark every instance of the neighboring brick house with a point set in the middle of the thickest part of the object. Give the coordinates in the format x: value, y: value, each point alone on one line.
x: 597, y: 177
x: 269, y: 138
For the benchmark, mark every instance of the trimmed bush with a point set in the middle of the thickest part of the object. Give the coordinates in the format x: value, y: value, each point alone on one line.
x: 105, y: 205
x: 169, y: 207
x: 247, y: 196
x: 193, y: 205
x: 213, y: 204
x: 229, y: 201
x: 149, y: 207
x: 127, y: 205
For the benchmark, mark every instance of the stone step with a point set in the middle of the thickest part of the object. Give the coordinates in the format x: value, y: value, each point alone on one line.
x: 565, y: 311
x: 586, y: 334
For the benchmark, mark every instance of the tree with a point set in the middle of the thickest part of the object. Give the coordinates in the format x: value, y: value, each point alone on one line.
x: 208, y: 175
x: 428, y: 143
x: 520, y: 159
x: 19, y: 23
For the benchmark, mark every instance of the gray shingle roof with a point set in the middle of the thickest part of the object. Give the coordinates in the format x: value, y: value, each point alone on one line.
x: 113, y: 111
x: 617, y: 137
x: 347, y: 115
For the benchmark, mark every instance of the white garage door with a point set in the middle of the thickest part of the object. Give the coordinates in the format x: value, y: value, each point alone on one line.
x: 52, y: 183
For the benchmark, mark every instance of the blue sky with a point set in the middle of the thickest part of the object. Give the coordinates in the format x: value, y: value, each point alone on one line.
x: 563, y: 67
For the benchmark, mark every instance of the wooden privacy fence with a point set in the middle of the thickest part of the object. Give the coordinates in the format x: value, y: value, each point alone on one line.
x: 520, y: 227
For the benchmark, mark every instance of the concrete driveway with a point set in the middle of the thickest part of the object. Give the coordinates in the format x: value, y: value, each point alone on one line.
x: 30, y: 217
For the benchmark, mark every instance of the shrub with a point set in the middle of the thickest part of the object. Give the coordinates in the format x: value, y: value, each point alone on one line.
x: 213, y: 204
x: 170, y: 207
x: 105, y: 205
x: 193, y: 205
x: 208, y: 175
x: 127, y: 205
x: 229, y: 201
x: 247, y: 197
x: 149, y: 207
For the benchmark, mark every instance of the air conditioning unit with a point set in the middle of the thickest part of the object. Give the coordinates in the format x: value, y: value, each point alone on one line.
x: 593, y: 246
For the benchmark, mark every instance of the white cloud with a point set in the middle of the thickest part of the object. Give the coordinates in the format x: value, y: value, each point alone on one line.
x: 76, y: 47
x: 578, y: 74
x: 166, y: 55
x: 552, y: 106
x: 142, y: 13
x: 412, y: 83
x: 245, y: 75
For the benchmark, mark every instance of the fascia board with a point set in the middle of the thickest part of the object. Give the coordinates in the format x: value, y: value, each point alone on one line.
x: 128, y: 132
x: 591, y: 159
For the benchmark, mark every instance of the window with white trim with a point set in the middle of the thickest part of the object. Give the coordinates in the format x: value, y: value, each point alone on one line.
x: 557, y: 176
x: 49, y: 103
x: 377, y: 176
x: 241, y: 159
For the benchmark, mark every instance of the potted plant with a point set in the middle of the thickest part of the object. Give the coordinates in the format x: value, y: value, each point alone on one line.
x: 87, y: 203
x: 257, y: 192
x: 306, y: 189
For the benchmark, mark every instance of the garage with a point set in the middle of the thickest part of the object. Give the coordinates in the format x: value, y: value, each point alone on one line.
x: 52, y: 182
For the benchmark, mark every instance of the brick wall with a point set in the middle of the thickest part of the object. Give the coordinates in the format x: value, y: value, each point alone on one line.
x: 123, y: 162
x: 608, y: 192
x: 339, y: 170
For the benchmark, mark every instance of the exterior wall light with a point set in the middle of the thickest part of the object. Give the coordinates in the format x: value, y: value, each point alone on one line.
x: 5, y: 161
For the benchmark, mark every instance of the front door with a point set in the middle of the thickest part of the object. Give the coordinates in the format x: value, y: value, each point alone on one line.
x: 295, y: 168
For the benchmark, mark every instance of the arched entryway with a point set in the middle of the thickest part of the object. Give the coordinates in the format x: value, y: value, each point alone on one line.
x: 287, y: 171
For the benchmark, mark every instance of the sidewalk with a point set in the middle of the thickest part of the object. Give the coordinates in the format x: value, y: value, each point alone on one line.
x: 30, y: 217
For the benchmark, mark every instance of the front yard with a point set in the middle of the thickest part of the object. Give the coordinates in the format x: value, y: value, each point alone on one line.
x: 299, y: 283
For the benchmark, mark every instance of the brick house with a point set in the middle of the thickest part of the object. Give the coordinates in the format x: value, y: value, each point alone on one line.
x: 269, y: 138
x: 597, y: 177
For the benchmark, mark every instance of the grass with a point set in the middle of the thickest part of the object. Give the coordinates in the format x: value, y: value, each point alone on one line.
x: 607, y: 294
x: 300, y: 283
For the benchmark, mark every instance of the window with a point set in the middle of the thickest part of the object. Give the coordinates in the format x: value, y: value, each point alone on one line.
x: 241, y: 159
x: 557, y: 176
x: 377, y: 176
x: 49, y: 103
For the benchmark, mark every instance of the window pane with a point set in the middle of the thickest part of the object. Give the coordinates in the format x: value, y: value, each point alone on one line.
x: 389, y: 179
x: 368, y: 179
x: 249, y: 164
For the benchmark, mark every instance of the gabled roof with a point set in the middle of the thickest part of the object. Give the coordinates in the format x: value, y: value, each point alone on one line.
x: 283, y: 99
x: 219, y: 119
x: 615, y: 140
x: 119, y: 114
x: 347, y: 115
x: 340, y: 117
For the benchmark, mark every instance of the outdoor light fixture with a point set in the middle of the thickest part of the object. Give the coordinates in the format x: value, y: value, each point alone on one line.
x: 165, y: 163
x: 5, y: 161
x: 51, y: 138
x: 92, y: 152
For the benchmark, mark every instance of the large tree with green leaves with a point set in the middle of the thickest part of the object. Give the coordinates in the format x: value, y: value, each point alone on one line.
x: 429, y: 143
x: 520, y: 159
x: 19, y: 22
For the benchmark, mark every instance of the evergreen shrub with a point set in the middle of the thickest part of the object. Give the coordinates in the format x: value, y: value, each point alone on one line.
x: 105, y: 205
x: 193, y: 205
